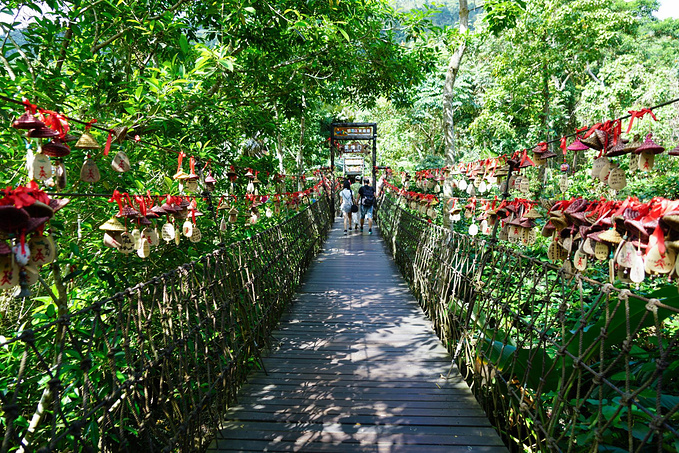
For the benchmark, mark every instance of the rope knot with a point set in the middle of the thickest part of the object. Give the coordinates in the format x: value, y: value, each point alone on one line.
x: 607, y: 288
x: 652, y: 306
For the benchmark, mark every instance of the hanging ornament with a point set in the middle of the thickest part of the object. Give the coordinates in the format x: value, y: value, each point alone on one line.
x: 60, y: 178
x: 233, y: 214
x: 597, y: 165
x: 151, y: 236
x: 144, y: 249
x: 87, y: 142
x: 167, y: 232
x: 121, y: 163
x: 196, y: 236
x: 177, y: 235
x: 187, y: 228
x: 646, y: 161
x: 42, y: 250
x: 637, y: 272
x: 222, y: 225
x: 40, y: 168
x: 89, y: 171
x: 210, y: 183
x: 617, y: 179
x: 9, y: 272
x: 126, y: 243
x: 136, y: 237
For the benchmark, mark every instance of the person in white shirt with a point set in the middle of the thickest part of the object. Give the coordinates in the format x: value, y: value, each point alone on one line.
x: 347, y: 197
x: 354, y: 188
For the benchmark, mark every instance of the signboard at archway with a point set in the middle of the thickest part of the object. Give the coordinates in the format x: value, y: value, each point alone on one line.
x: 353, y: 132
x: 344, y: 139
x: 353, y: 148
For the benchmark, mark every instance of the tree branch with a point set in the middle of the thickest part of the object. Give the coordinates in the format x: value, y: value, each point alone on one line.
x: 23, y: 55
x: 96, y: 48
x: 596, y: 79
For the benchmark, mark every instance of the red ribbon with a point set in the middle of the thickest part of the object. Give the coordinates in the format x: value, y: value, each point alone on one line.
x: 563, y: 147
x: 30, y: 108
x: 56, y: 121
x: 192, y: 165
x: 181, y: 157
x: 118, y: 198
x: 89, y: 124
x: 639, y: 114
x: 142, y: 204
x: 107, y: 147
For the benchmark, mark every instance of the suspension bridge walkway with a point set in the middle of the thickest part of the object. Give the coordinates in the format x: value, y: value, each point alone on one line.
x: 356, y: 367
x: 553, y: 359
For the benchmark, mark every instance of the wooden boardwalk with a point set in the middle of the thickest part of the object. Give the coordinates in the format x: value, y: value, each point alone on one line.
x: 357, y: 368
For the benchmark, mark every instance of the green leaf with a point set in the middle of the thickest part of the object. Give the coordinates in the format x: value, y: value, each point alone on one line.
x: 344, y: 33
x: 184, y: 44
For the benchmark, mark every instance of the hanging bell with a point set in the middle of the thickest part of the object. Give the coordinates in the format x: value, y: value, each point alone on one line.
x: 233, y: 215
x: 210, y: 183
x: 27, y: 121
x: 56, y: 148
x: 24, y: 291
x: 87, y: 141
x: 43, y: 132
x: 119, y: 134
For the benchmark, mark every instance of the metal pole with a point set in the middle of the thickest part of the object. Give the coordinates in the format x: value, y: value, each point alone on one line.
x: 374, y: 172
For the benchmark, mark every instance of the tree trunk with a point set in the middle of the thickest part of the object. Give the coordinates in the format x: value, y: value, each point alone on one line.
x: 279, y: 146
x: 451, y: 75
x: 545, y: 125
x: 300, y: 153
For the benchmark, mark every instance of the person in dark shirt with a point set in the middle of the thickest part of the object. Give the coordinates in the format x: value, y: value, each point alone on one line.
x: 366, y: 201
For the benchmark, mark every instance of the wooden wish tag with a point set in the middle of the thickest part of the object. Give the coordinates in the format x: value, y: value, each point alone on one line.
x: 126, y: 243
x: 42, y: 249
x: 637, y: 272
x: 524, y: 186
x: 187, y: 228
x: 167, y: 232
x: 601, y: 251
x: 90, y: 172
x: 617, y: 179
x: 597, y: 165
x: 633, y: 163
x: 41, y: 168
x: 473, y: 229
x: 151, y: 236
x: 121, y: 163
x: 178, y: 235
x: 136, y: 237
x: 196, y: 236
x: 144, y: 249
x: 485, y: 227
x: 9, y: 272
x: 646, y: 161
x: 462, y: 185
x: 626, y: 255
x: 660, y: 263
x: 604, y: 172
x: 564, y: 183
x: 580, y: 260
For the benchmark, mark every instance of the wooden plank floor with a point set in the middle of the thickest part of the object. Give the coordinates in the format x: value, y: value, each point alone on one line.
x: 357, y: 368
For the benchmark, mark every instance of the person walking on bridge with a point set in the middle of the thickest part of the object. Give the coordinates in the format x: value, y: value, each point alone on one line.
x: 367, y: 202
x: 355, y: 187
x: 347, y: 198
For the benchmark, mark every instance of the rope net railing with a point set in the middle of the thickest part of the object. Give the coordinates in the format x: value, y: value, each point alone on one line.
x: 560, y: 362
x: 154, y: 367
